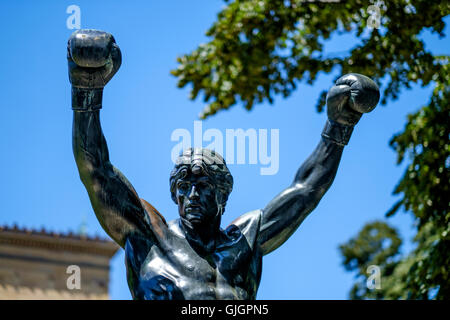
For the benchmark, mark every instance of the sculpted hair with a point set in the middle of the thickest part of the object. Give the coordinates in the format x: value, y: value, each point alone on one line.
x: 212, y: 165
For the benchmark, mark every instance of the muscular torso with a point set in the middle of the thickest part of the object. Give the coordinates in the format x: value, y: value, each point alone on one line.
x: 167, y: 267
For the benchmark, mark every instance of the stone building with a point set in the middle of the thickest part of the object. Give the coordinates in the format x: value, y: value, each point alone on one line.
x: 47, y: 265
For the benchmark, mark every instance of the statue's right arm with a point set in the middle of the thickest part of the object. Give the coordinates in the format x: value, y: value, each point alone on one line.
x: 93, y: 59
x: 114, y: 200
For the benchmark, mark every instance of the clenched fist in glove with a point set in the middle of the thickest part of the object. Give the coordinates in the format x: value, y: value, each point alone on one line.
x: 93, y: 57
x: 353, y: 95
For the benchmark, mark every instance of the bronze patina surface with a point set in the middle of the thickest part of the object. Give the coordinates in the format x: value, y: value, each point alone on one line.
x: 192, y: 257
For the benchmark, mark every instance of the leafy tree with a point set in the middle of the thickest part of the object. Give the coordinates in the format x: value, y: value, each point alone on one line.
x: 376, y: 244
x: 259, y: 49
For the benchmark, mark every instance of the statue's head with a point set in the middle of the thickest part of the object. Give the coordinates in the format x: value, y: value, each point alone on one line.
x: 200, y: 185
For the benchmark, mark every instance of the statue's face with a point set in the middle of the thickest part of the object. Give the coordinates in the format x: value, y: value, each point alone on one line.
x: 197, y: 201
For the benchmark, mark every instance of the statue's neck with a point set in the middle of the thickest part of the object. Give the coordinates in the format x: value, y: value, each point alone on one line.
x: 203, y: 239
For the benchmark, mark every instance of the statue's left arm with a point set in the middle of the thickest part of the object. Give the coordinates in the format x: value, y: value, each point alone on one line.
x: 283, y: 215
x: 352, y: 95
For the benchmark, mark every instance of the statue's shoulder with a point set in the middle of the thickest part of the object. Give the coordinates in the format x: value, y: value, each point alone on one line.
x: 175, y: 228
x: 248, y: 225
x: 156, y: 218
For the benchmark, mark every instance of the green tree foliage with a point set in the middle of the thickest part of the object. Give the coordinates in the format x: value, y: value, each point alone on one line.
x: 262, y: 48
x: 424, y: 187
x: 376, y: 244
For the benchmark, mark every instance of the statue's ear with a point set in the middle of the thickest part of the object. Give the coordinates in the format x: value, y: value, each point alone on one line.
x: 221, y: 202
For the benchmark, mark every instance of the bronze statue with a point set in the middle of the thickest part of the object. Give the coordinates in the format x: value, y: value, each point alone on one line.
x: 192, y: 257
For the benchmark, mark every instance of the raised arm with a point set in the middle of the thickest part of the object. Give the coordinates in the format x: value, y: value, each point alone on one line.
x: 93, y: 59
x: 352, y: 95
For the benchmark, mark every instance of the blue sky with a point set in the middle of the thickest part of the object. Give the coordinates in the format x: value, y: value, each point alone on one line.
x: 142, y: 107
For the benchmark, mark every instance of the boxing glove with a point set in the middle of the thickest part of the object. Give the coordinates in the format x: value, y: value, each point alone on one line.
x: 93, y: 58
x: 351, y: 96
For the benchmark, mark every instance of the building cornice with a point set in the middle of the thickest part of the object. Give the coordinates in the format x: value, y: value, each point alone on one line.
x: 57, y: 241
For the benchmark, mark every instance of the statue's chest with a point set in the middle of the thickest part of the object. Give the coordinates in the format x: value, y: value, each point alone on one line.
x: 175, y: 271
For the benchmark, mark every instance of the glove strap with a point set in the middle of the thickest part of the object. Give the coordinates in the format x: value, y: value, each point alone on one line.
x: 336, y: 132
x: 86, y: 99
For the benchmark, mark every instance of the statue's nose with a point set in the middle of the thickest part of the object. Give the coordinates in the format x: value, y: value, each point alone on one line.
x: 194, y: 192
